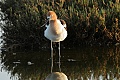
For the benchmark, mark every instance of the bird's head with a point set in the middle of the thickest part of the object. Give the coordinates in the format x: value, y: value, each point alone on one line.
x: 51, y: 15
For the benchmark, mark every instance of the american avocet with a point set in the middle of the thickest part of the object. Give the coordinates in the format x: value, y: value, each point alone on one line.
x: 55, y: 32
x: 56, y: 76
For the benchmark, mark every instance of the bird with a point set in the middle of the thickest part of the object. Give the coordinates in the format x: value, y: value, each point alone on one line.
x: 56, y: 31
x: 56, y: 76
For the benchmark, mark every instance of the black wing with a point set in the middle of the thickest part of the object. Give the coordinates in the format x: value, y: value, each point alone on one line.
x: 63, y: 23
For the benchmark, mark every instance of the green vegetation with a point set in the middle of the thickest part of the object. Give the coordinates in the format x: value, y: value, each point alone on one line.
x: 89, y: 22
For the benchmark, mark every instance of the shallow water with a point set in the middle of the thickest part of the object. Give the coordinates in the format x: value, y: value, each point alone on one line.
x: 83, y: 63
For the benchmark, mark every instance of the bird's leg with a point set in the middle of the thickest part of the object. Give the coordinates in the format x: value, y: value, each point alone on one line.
x: 59, y: 57
x: 51, y: 57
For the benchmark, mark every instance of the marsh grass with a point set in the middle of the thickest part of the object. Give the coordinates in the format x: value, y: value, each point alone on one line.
x: 94, y: 22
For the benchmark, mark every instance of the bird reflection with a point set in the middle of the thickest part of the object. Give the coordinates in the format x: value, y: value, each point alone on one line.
x: 59, y: 64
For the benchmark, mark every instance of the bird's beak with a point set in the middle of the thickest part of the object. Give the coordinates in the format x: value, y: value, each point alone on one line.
x: 45, y: 23
x: 48, y: 19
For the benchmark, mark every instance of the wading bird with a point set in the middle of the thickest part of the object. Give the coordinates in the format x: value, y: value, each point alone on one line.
x: 55, y: 31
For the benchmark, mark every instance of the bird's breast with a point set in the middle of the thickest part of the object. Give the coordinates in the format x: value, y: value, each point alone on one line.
x: 55, y: 28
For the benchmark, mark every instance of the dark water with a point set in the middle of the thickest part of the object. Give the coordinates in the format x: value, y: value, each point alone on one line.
x: 83, y: 63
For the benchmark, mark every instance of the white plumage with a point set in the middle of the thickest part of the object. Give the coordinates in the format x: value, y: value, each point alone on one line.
x: 55, y: 36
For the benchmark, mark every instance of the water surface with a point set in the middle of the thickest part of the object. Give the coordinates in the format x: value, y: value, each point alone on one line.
x: 83, y: 63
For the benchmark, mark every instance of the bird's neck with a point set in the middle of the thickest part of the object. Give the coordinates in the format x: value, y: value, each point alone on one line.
x: 53, y: 21
x: 56, y: 29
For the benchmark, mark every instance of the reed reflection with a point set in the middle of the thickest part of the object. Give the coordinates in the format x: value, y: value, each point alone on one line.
x: 93, y: 63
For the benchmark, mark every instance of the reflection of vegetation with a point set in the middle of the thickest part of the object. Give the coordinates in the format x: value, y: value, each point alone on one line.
x: 96, y: 61
x: 89, y: 22
x: 18, y: 63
